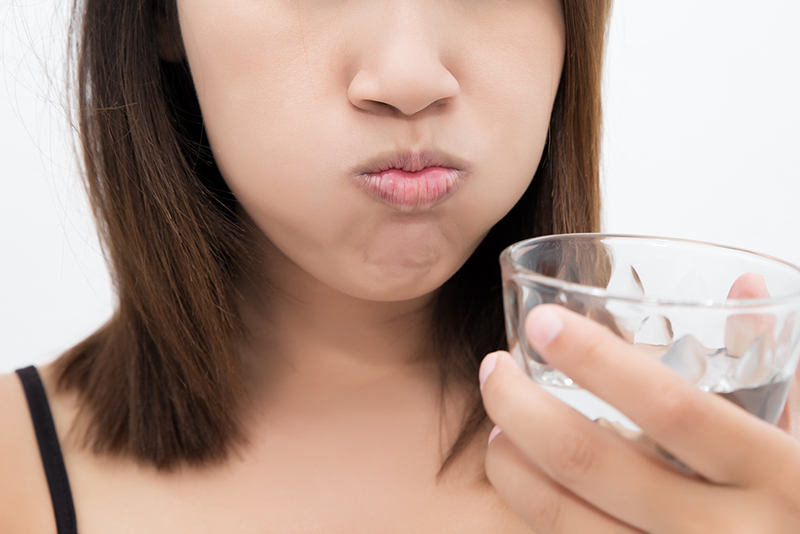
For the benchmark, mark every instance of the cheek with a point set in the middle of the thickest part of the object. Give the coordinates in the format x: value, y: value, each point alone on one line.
x: 260, y: 114
x: 509, y: 96
x: 245, y: 82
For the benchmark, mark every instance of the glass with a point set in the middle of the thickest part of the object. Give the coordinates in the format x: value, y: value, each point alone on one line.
x: 723, y: 318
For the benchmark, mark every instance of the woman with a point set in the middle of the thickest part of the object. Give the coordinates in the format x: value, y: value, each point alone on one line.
x: 303, y: 205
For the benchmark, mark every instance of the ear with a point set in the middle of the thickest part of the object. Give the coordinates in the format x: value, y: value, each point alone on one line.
x: 168, y: 38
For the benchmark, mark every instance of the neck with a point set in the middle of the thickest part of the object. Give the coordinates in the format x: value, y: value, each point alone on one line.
x: 304, y: 334
x: 323, y: 363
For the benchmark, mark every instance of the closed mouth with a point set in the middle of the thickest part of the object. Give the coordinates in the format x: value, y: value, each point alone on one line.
x: 412, y: 181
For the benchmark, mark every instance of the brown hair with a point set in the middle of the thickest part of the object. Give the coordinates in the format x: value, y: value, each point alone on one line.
x: 161, y: 381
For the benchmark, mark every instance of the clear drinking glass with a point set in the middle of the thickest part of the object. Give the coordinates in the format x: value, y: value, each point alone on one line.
x: 723, y: 318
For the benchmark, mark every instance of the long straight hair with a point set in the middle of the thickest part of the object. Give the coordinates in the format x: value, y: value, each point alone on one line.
x: 161, y: 382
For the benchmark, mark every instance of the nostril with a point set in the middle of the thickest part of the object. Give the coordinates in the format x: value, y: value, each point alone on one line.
x: 376, y: 107
x: 383, y: 106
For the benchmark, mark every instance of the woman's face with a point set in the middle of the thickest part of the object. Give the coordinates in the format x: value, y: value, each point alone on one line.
x: 376, y: 142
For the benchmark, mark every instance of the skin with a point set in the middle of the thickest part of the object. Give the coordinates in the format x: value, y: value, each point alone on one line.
x: 345, y: 433
x: 562, y: 473
x: 295, y: 96
x: 347, y: 430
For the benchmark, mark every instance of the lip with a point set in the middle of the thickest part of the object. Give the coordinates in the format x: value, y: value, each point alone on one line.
x: 413, y: 180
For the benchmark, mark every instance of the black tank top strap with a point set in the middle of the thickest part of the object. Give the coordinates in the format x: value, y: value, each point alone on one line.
x: 50, y: 450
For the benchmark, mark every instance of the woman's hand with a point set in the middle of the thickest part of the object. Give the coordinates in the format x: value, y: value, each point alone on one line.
x: 562, y: 472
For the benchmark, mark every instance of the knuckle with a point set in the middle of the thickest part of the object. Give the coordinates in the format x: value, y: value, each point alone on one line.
x: 673, y: 409
x: 497, y: 400
x: 598, y: 349
x: 544, y: 512
x: 574, y: 455
x: 502, y: 399
x: 501, y: 393
x: 784, y: 494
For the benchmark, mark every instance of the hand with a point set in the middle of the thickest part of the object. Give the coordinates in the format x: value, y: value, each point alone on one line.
x: 563, y: 473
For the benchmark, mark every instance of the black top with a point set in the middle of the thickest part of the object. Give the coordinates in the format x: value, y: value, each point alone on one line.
x: 50, y: 450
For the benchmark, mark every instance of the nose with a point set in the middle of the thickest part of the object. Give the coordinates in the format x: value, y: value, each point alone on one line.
x: 401, y: 69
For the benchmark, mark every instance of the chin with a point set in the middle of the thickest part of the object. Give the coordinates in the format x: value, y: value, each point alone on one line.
x: 393, y: 285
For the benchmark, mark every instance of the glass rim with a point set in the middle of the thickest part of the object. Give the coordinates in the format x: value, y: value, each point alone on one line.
x: 507, y: 260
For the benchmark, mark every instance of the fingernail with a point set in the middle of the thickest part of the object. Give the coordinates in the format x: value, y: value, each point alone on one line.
x: 543, y: 326
x: 487, y: 366
x: 496, y: 430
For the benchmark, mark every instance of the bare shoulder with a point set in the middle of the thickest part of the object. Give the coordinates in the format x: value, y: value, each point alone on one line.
x: 24, y: 495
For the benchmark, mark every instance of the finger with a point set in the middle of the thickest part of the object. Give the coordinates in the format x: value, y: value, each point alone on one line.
x: 584, y: 457
x: 712, y: 436
x: 743, y: 330
x: 540, y: 502
x: 749, y: 286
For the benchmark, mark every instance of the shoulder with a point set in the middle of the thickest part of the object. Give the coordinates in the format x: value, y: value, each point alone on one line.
x: 24, y: 494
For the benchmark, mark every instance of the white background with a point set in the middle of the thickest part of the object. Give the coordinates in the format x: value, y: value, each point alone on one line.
x: 701, y: 141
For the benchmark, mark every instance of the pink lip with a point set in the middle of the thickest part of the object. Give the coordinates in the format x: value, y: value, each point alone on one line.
x: 412, y: 181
